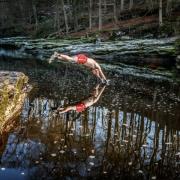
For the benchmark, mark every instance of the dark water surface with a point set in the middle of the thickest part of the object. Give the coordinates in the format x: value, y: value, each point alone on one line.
x: 131, y: 132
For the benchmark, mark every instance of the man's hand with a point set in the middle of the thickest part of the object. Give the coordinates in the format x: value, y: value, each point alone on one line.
x: 56, y: 54
x: 60, y: 56
x: 52, y: 58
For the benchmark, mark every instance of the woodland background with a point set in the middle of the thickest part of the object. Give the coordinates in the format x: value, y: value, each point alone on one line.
x: 76, y: 18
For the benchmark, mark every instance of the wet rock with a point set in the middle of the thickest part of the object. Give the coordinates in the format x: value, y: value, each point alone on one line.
x: 13, y: 90
x: 125, y: 37
x: 122, y: 51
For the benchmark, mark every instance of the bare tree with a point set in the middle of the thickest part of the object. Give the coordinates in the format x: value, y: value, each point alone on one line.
x: 100, y: 14
x: 65, y: 16
x: 122, y: 5
x: 131, y: 2
x: 90, y: 14
x: 105, y: 5
x: 160, y: 13
x: 75, y: 14
x: 168, y: 7
x: 35, y: 14
x: 115, y: 13
x: 57, y: 16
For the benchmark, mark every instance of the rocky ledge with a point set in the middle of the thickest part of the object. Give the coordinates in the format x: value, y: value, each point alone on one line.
x: 13, y: 90
x: 139, y: 52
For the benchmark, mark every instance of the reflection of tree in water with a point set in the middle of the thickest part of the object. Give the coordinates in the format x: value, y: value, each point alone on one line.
x: 20, y: 151
x: 131, y: 131
x: 97, y: 142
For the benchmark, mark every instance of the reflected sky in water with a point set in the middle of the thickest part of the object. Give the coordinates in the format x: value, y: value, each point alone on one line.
x: 132, y: 131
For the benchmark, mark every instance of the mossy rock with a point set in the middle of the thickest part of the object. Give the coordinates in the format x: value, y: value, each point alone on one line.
x: 13, y: 90
x: 177, y: 46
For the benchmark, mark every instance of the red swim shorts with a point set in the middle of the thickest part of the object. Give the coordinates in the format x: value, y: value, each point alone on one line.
x: 80, y: 107
x: 81, y: 58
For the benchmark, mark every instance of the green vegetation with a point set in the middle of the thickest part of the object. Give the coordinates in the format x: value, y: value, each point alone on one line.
x: 177, y: 46
x: 72, y: 18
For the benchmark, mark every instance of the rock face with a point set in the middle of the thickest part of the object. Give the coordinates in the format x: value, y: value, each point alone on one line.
x: 13, y: 90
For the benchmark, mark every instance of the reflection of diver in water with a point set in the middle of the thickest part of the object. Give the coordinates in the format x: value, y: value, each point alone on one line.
x: 81, y: 106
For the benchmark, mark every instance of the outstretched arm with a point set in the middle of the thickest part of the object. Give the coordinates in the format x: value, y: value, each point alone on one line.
x: 60, y: 57
x: 63, y: 110
x: 64, y: 57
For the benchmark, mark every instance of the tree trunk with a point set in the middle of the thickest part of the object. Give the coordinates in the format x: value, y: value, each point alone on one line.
x: 3, y: 13
x: 35, y: 15
x: 160, y: 13
x: 75, y: 14
x: 115, y: 13
x: 57, y: 16
x: 168, y: 7
x: 131, y: 2
x: 65, y: 17
x: 122, y: 5
x: 105, y: 5
x: 150, y: 4
x: 90, y: 15
x: 100, y: 15
x: 21, y: 11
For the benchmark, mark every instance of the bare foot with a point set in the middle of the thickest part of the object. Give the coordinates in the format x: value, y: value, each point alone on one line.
x: 52, y: 58
x: 105, y: 81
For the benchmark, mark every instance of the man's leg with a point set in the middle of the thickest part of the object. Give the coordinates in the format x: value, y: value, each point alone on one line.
x: 96, y: 73
x: 101, y: 74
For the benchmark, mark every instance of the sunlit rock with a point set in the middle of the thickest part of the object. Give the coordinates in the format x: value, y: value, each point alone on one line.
x: 13, y: 90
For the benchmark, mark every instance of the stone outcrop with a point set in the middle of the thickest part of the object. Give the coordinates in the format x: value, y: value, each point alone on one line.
x: 13, y: 90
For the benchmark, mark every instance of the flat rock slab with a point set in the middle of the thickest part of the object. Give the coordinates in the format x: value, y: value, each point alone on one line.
x: 13, y: 90
x: 19, y: 47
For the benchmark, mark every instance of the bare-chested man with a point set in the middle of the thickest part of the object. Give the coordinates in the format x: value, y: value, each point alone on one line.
x: 82, y: 59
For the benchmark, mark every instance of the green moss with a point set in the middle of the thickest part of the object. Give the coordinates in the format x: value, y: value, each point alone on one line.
x: 167, y: 51
x: 177, y: 46
x: 6, y: 100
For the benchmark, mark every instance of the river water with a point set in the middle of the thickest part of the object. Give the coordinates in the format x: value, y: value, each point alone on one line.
x: 132, y: 131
